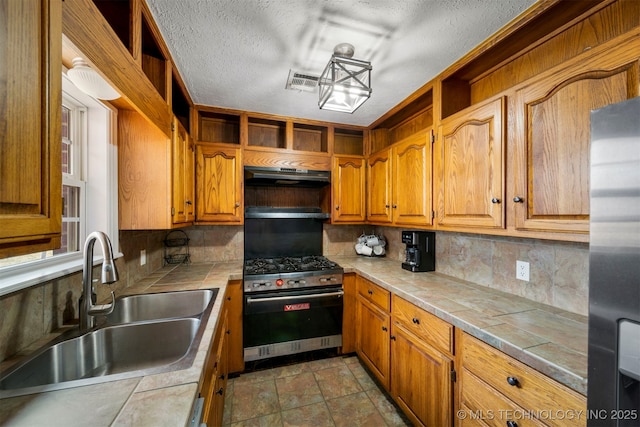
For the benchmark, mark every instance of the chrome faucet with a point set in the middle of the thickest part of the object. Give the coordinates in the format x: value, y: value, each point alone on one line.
x: 88, y: 309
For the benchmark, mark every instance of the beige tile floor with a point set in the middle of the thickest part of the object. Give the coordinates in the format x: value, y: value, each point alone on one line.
x: 337, y: 391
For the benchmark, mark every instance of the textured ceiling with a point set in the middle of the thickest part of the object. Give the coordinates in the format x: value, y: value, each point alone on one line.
x: 238, y: 53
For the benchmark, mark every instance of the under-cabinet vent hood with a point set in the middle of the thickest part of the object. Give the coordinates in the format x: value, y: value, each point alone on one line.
x: 289, y: 177
x: 268, y: 212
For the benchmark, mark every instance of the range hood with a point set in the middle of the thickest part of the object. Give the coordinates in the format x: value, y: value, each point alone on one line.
x: 286, y: 177
x: 268, y: 212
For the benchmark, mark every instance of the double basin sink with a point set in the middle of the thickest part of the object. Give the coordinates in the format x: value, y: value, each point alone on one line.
x: 145, y: 334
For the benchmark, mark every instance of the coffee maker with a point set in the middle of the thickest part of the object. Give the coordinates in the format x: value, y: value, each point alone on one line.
x: 420, y: 253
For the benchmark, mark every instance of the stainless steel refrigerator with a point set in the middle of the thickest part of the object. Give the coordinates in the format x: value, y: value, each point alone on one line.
x: 614, y: 267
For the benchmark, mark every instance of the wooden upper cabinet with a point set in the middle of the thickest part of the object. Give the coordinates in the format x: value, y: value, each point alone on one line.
x: 183, y: 201
x: 178, y: 205
x: 219, y: 196
x: 471, y: 167
x: 190, y: 179
x: 412, y: 175
x: 399, y: 182
x: 30, y: 117
x: 144, y: 174
x: 379, y: 187
x: 552, y: 151
x: 348, y: 185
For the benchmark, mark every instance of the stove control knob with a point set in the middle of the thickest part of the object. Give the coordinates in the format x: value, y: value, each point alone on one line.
x: 291, y: 282
x: 279, y: 282
x: 302, y: 281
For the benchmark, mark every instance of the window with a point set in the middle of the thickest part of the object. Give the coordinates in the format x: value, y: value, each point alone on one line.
x: 73, y: 184
x: 89, y: 192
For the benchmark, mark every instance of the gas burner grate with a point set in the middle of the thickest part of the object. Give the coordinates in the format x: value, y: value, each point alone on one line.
x: 288, y: 264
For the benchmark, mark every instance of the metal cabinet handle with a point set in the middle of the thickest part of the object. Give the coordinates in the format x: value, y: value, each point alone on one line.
x: 338, y: 207
x: 237, y: 205
x: 189, y: 202
x: 518, y: 199
x: 369, y: 291
x: 395, y: 206
x: 495, y: 200
x: 393, y: 337
x: 513, y: 381
x: 512, y: 424
x: 416, y: 320
x: 384, y: 328
x: 220, y: 392
x: 386, y: 206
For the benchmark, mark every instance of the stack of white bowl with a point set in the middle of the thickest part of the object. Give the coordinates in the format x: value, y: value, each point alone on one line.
x: 370, y: 245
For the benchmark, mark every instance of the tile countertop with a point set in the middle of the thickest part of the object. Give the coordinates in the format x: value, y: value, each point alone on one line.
x: 546, y: 338
x: 156, y: 400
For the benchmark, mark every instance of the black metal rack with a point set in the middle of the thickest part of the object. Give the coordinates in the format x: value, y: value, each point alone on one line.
x: 176, y: 248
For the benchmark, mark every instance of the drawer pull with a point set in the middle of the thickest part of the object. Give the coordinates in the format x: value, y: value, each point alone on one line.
x: 369, y: 291
x: 512, y: 381
x: 384, y: 328
x: 512, y: 424
x: 416, y: 320
x: 393, y: 337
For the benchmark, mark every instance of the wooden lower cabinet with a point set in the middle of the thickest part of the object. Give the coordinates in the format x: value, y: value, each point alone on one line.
x: 499, y: 389
x: 233, y: 302
x: 225, y: 355
x: 349, y: 313
x: 431, y: 369
x: 216, y: 374
x: 373, y: 339
x: 421, y: 381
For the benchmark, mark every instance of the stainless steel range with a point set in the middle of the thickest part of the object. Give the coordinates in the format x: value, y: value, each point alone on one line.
x: 293, y: 296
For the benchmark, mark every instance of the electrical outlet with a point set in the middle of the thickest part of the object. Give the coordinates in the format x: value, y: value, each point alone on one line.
x: 522, y: 270
x: 143, y: 257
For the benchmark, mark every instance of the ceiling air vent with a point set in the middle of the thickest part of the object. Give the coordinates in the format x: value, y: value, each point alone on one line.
x: 301, y: 82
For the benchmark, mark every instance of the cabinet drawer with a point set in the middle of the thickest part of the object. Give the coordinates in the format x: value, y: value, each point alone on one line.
x: 374, y: 293
x: 488, y: 405
x: 433, y: 330
x: 531, y: 390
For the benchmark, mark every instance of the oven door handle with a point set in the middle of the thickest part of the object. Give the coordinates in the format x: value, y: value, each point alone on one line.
x: 328, y: 294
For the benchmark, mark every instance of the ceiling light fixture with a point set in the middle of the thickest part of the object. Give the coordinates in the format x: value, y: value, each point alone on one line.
x: 90, y: 82
x: 345, y: 83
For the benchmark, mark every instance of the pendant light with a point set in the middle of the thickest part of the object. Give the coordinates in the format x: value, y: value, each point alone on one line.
x: 345, y: 83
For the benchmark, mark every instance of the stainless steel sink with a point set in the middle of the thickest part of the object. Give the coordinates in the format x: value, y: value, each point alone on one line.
x: 152, y: 333
x: 166, y: 305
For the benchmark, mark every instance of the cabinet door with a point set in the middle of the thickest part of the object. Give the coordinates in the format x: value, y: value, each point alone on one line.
x: 551, y: 155
x: 189, y: 180
x: 30, y: 117
x: 412, y: 187
x: 219, y: 184
x: 216, y: 376
x: 349, y: 313
x: 471, y: 171
x: 178, y: 166
x: 421, y: 383
x: 144, y: 174
x: 379, y: 187
x: 234, y: 302
x: 348, y: 189
x: 373, y: 340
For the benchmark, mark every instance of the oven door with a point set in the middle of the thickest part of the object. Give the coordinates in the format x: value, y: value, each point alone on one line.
x: 292, y: 321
